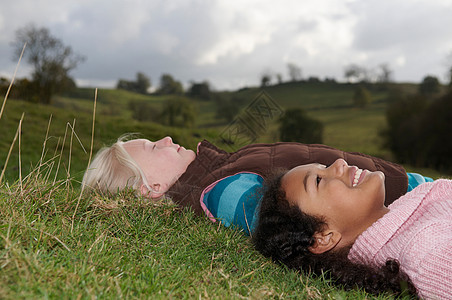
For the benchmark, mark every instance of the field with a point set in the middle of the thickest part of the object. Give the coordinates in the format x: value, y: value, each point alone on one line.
x: 55, y: 243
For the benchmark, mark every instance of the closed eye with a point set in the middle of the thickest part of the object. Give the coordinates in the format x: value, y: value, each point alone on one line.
x: 318, y: 179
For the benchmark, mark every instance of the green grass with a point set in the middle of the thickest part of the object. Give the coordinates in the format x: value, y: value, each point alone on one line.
x: 353, y: 129
x: 56, y: 244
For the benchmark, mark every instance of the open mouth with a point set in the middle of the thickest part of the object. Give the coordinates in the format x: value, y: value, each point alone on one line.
x: 357, y: 176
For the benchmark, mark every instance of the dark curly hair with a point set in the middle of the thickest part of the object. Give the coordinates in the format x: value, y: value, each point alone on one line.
x: 284, y: 233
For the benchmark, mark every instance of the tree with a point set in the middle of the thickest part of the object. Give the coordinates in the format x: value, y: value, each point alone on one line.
x: 435, y: 129
x: 4, y: 84
x: 125, y: 85
x: 169, y: 86
x: 200, y: 90
x: 294, y: 72
x: 143, y: 83
x: 228, y: 109
x: 51, y: 60
x: 296, y: 126
x: 23, y: 89
x: 178, y: 112
x: 418, y: 131
x: 355, y: 73
x: 140, y: 85
x: 384, y: 74
x: 362, y: 97
x: 144, y: 111
x: 265, y: 80
x: 449, y: 69
x: 450, y: 78
x: 403, y: 115
x: 429, y: 85
x: 314, y: 79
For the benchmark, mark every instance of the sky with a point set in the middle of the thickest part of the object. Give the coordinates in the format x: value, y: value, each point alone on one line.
x: 232, y: 43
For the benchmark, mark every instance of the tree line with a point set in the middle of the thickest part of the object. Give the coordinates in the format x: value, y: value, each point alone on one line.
x: 419, y: 127
x: 52, y: 61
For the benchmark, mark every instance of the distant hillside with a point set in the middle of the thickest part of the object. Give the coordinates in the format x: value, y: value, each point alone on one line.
x: 112, y: 120
x: 346, y: 127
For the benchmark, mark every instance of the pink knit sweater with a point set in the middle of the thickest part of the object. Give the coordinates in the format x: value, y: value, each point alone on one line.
x: 417, y: 231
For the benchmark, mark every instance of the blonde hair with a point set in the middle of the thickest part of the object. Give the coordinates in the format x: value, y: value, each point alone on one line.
x: 113, y: 170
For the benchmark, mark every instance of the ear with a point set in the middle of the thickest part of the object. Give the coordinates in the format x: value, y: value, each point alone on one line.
x: 157, y: 192
x: 325, y: 241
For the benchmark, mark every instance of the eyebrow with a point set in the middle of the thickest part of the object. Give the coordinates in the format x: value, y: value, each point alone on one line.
x: 305, y: 180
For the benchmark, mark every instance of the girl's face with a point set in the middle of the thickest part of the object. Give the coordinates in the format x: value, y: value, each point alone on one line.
x: 348, y: 198
x: 162, y: 161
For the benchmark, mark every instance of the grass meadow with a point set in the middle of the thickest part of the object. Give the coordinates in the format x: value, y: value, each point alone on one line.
x: 57, y: 243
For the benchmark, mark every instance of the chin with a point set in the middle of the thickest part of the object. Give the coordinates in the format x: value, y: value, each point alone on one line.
x: 376, y: 176
x: 382, y: 188
x: 382, y: 175
x: 377, y: 181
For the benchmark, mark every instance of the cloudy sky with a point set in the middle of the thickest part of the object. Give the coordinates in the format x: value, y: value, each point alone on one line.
x: 231, y: 43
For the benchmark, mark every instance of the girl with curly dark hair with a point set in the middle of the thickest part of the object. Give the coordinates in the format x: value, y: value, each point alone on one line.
x: 320, y: 219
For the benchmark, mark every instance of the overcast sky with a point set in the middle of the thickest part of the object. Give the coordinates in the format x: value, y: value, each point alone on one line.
x: 230, y: 43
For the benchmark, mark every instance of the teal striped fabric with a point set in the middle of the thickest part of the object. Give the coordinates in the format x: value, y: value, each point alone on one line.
x: 234, y: 200
x: 415, y: 179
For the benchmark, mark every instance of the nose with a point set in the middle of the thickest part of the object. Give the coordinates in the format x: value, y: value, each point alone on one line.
x: 165, y: 142
x: 339, y: 167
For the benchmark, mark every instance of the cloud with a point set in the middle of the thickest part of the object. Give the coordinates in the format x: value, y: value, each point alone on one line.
x: 383, y: 25
x: 231, y: 42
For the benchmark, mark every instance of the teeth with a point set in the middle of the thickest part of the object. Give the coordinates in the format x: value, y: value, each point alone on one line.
x: 357, y: 175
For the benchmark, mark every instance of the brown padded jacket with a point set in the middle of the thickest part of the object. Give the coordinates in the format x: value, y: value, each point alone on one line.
x: 213, y: 164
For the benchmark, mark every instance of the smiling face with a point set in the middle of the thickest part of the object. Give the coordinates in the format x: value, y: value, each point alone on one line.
x: 162, y: 162
x: 349, y: 199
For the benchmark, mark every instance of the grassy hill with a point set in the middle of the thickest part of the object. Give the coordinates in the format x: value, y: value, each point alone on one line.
x: 55, y: 243
x: 346, y: 127
x: 113, y: 118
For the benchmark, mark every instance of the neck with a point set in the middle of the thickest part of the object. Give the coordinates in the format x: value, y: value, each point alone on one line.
x: 176, y: 178
x: 350, y: 238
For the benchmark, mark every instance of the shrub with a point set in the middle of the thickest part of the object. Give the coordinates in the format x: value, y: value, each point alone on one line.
x: 362, y: 97
x: 296, y: 126
x: 178, y: 112
x: 418, y: 131
x: 429, y: 85
x: 142, y: 111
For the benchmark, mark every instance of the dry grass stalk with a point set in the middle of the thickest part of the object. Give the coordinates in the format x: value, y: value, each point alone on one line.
x: 20, y: 158
x: 44, y: 147
x: 11, y: 147
x: 12, y: 81
x: 92, y: 130
x: 49, y: 165
x: 54, y: 237
x: 70, y: 151
x: 89, y: 160
x: 60, y: 155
